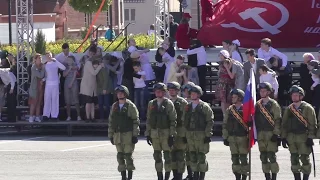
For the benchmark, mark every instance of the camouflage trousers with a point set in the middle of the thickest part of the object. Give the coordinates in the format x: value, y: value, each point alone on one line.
x: 239, y: 154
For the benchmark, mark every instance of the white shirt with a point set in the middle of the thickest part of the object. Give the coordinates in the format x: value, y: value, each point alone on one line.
x: 52, y: 76
x: 236, y: 56
x: 150, y: 32
x: 254, y: 66
x: 7, y: 77
x: 62, y: 58
x: 139, y: 82
x: 201, y: 55
x: 316, y: 80
x: 272, y: 52
x: 272, y: 79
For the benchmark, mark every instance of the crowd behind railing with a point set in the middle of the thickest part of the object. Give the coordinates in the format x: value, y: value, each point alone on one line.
x: 64, y: 80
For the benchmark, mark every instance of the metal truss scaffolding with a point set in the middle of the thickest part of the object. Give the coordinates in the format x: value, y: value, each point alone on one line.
x: 25, y: 46
x: 161, y: 19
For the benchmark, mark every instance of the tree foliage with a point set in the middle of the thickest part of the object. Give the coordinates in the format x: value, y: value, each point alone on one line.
x: 40, y: 42
x: 88, y: 6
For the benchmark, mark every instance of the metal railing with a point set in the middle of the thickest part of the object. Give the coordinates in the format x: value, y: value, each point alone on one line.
x: 97, y: 37
x: 125, y: 29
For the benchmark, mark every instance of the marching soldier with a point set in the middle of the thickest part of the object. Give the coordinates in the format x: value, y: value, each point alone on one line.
x: 179, y: 146
x: 123, y: 130
x: 298, y: 131
x: 235, y: 135
x: 186, y: 94
x: 198, y: 119
x: 268, y: 122
x: 161, y: 129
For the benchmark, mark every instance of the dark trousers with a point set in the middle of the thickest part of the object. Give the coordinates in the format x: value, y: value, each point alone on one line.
x: 202, y: 72
x: 104, y: 101
x: 11, y: 104
x: 129, y: 84
x: 159, y: 72
x: 284, y: 81
x: 316, y: 99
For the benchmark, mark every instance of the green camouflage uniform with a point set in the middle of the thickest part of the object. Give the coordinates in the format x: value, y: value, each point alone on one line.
x: 198, y: 123
x: 296, y: 133
x: 161, y: 123
x: 123, y: 125
x: 237, y: 136
x: 179, y: 147
x: 266, y: 130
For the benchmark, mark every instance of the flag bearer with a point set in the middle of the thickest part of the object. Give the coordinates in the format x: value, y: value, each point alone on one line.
x: 198, y: 119
x: 161, y: 129
x: 124, y: 130
x: 235, y: 135
x: 179, y: 146
x: 268, y: 123
x: 298, y: 129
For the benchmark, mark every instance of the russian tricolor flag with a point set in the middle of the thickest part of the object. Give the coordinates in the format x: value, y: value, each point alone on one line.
x: 249, y: 103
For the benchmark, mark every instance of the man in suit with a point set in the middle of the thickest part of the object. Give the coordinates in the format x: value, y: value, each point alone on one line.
x: 254, y: 63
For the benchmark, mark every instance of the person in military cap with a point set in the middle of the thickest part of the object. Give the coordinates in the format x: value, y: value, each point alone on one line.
x: 123, y: 130
x: 185, y: 90
x: 298, y: 129
x: 179, y: 146
x: 268, y: 124
x: 161, y: 129
x: 198, y: 121
x: 235, y: 135
x: 186, y: 94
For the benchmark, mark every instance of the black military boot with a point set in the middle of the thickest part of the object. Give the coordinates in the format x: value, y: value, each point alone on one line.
x: 274, y: 176
x: 238, y: 176
x: 167, y: 175
x: 190, y: 174
x: 129, y: 175
x: 297, y: 176
x: 305, y: 176
x: 267, y: 175
x: 202, y: 175
x: 174, y: 172
x: 244, y: 177
x: 160, y: 175
x: 196, y: 175
x: 124, y: 175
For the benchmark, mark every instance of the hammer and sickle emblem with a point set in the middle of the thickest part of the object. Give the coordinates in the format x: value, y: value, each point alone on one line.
x: 254, y: 13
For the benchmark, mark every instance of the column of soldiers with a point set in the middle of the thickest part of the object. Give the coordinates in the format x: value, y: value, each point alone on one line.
x: 296, y: 129
x: 178, y: 129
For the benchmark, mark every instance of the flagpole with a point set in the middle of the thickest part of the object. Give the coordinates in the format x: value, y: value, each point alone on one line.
x: 249, y: 153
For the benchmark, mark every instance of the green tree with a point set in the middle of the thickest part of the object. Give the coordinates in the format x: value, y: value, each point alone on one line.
x: 88, y: 6
x: 40, y: 42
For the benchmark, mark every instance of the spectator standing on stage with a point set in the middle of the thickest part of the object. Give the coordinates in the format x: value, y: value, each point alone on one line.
x: 266, y: 51
x: 167, y: 59
x: 88, y: 86
x: 36, y: 89
x: 226, y: 45
x: 235, y: 52
x: 140, y: 89
x: 305, y: 76
x: 104, y: 90
x: 235, y: 71
x: 200, y: 61
x: 12, y: 97
x: 51, y: 92
x: 114, y: 64
x: 314, y: 66
x: 7, y: 80
x: 71, y: 87
x: 267, y: 76
x: 174, y: 74
x: 160, y: 68
x: 225, y: 83
x: 151, y: 31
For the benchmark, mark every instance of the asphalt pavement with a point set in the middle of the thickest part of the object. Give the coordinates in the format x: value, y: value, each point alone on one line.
x: 46, y: 157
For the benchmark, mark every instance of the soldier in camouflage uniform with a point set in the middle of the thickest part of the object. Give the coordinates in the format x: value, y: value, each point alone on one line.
x: 198, y: 120
x: 235, y: 135
x: 123, y: 130
x: 268, y: 124
x: 179, y: 146
x: 186, y: 94
x: 161, y: 129
x: 298, y: 129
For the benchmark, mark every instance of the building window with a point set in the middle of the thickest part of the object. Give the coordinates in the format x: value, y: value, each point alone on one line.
x: 129, y: 14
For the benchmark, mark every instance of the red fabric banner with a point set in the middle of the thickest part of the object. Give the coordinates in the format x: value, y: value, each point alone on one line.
x: 288, y: 23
